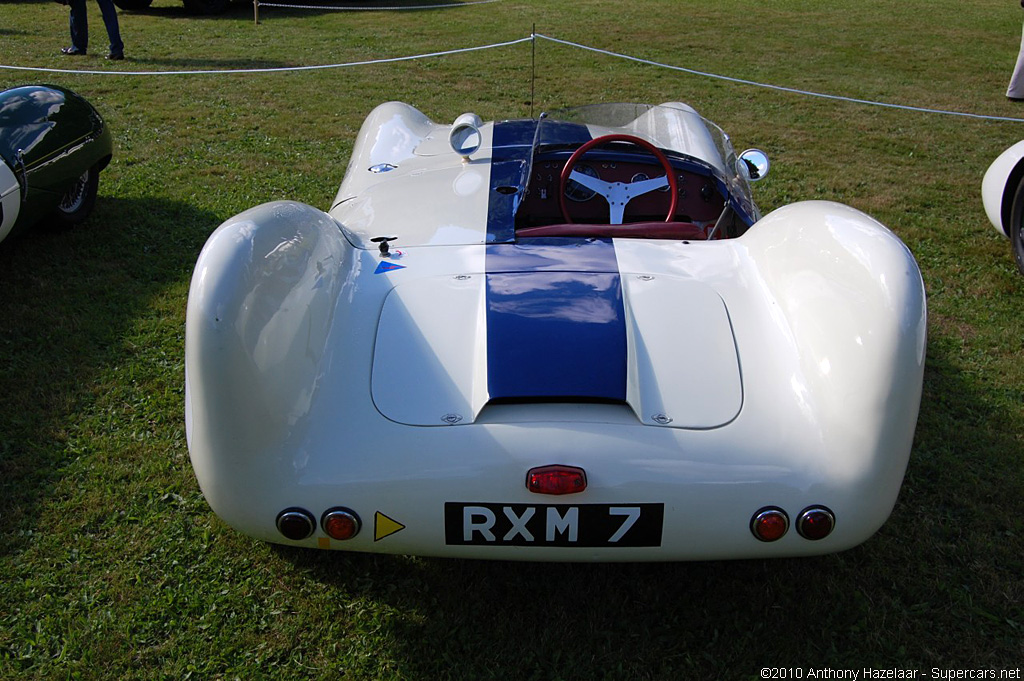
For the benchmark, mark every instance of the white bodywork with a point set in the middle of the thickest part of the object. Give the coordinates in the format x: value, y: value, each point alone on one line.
x: 999, y: 186
x: 781, y: 368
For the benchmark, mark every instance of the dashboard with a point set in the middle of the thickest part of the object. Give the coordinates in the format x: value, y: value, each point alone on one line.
x: 699, y: 197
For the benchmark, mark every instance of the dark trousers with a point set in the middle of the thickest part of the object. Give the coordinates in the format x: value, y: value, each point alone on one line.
x: 80, y: 25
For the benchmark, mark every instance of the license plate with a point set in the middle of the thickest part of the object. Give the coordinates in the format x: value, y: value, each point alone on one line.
x: 587, y: 525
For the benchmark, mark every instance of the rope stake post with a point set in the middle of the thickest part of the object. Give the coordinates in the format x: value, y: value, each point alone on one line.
x: 256, y: 11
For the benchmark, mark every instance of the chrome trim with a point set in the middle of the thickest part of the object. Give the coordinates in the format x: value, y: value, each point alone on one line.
x: 762, y: 513
x: 295, y: 513
x: 341, y: 511
x: 813, y: 509
x: 19, y: 159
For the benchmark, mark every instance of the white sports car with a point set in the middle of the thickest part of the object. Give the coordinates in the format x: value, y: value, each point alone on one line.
x: 570, y: 338
x: 1002, y: 192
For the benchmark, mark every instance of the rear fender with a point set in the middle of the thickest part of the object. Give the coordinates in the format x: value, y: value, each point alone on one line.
x: 260, y: 311
x: 848, y: 295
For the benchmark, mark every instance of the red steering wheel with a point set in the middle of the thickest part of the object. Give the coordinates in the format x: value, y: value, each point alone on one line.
x: 618, y: 194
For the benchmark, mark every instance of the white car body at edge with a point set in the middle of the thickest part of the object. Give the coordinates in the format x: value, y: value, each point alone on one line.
x: 1002, y: 192
x: 998, y: 187
x: 782, y: 368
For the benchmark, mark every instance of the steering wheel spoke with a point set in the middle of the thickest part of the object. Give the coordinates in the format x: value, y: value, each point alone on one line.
x: 642, y: 187
x: 594, y: 184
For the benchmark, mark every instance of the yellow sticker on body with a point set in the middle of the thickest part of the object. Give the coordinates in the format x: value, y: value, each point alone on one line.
x: 384, y: 526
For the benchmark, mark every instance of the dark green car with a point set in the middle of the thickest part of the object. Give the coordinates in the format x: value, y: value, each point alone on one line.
x: 53, y: 145
x: 192, y: 6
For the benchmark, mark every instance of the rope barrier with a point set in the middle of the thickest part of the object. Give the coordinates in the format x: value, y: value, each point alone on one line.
x: 531, y: 38
x: 779, y: 88
x: 276, y: 69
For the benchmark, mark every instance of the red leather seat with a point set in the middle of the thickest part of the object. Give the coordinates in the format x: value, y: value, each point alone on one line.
x: 682, y: 231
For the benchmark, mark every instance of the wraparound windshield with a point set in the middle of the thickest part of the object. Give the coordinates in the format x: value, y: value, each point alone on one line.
x: 674, y: 127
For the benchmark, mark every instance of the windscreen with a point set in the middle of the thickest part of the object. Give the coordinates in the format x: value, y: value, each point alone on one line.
x: 674, y: 127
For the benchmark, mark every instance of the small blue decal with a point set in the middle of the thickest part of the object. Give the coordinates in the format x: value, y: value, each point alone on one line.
x: 385, y: 266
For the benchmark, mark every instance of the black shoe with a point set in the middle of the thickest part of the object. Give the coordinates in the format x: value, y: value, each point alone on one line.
x: 72, y: 51
x: 115, y: 56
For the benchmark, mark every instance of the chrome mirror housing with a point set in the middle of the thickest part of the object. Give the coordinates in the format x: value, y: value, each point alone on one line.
x: 753, y: 164
x: 465, y: 137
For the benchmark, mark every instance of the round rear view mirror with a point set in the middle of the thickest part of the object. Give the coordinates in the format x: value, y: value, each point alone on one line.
x: 754, y: 164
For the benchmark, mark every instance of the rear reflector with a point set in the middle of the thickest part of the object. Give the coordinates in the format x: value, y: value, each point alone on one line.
x: 295, y: 523
x: 340, y: 523
x: 769, y: 524
x: 815, y: 522
x: 556, y: 480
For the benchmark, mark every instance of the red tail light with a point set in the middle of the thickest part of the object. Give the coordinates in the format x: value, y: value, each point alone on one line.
x: 769, y: 524
x: 295, y: 523
x: 340, y: 523
x: 815, y: 522
x: 556, y: 480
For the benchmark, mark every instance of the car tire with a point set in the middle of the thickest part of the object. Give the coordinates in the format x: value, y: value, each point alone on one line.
x: 206, y: 6
x: 133, y: 4
x: 79, y: 200
x: 1016, y: 233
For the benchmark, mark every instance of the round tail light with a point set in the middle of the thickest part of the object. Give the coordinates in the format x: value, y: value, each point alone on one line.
x: 815, y: 522
x: 295, y: 523
x: 769, y: 524
x: 340, y: 523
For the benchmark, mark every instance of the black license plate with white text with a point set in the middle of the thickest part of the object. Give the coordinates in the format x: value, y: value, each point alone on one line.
x: 584, y: 525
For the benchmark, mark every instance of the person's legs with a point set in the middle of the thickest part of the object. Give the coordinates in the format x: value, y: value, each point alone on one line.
x: 1016, y: 89
x: 79, y: 28
x: 113, y: 30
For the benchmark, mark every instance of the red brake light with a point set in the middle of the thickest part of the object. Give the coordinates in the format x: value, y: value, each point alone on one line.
x: 769, y: 524
x: 340, y: 523
x: 556, y: 480
x: 815, y: 523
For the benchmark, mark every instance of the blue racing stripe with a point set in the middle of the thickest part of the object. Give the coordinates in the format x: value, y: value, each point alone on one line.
x: 511, y: 154
x: 511, y: 149
x: 555, y: 321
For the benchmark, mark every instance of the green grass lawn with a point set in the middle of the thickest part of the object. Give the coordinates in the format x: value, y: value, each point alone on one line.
x: 113, y: 566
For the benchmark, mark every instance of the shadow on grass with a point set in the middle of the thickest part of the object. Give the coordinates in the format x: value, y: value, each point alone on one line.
x: 944, y: 568
x: 67, y: 298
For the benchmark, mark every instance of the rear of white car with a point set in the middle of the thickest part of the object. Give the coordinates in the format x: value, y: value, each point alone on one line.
x: 767, y: 409
x: 421, y: 371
